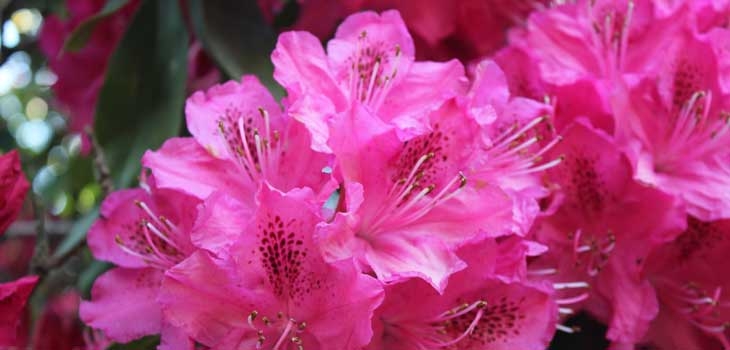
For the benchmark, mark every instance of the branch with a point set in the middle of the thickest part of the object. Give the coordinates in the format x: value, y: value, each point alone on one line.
x: 42, y: 248
x: 102, y: 168
x: 28, y: 228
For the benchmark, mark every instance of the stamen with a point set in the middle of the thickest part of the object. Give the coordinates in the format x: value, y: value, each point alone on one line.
x: 567, y: 285
x: 542, y: 272
x: 565, y: 311
x: 567, y: 329
x: 284, y: 334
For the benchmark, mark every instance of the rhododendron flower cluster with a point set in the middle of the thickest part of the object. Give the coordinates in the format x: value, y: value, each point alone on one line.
x: 639, y: 205
x: 382, y: 204
x: 389, y: 202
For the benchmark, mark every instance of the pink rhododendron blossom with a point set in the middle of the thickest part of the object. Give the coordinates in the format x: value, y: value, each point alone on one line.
x: 406, y: 204
x: 13, y: 296
x: 695, y: 308
x: 241, y: 138
x: 605, y: 227
x: 675, y: 129
x: 13, y: 187
x: 370, y: 62
x: 145, y: 231
x: 275, y: 291
x: 478, y: 310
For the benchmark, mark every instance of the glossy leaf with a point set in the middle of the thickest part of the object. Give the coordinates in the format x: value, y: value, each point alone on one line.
x: 235, y: 34
x: 142, y: 99
x: 82, y: 33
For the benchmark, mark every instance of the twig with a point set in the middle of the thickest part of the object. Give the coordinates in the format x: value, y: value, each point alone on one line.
x: 100, y: 164
x: 28, y: 228
x: 42, y: 248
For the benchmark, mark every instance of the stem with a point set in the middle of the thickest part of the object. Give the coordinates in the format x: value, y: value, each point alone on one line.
x: 100, y: 164
x: 42, y: 249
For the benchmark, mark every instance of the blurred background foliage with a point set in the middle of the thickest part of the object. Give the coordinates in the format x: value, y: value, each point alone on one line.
x: 140, y: 105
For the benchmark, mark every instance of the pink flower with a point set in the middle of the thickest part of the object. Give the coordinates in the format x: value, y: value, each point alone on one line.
x: 478, y: 310
x: 674, y: 128
x: 605, y: 227
x: 241, y: 138
x: 692, y: 289
x: 275, y: 291
x: 13, y: 187
x: 13, y: 296
x: 81, y: 73
x: 405, y: 205
x: 369, y: 63
x: 144, y: 231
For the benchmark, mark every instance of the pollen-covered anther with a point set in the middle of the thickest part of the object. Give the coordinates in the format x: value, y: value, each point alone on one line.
x: 256, y: 151
x: 290, y: 330
x: 443, y: 325
x: 593, y: 252
x: 613, y: 29
x: 368, y: 78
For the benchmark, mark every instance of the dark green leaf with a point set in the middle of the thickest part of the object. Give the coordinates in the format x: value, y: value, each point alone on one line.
x: 82, y: 33
x: 141, y: 102
x: 89, y: 275
x: 149, y: 342
x: 288, y: 15
x: 235, y: 34
x: 77, y: 233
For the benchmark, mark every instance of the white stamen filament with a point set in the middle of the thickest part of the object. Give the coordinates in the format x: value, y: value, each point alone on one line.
x: 542, y: 272
x: 565, y: 311
x: 567, y: 285
x: 565, y: 329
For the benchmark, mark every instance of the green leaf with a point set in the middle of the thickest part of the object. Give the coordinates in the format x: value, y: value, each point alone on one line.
x: 238, y: 38
x: 149, y: 342
x: 77, y: 233
x: 141, y: 102
x: 88, y: 276
x: 82, y: 33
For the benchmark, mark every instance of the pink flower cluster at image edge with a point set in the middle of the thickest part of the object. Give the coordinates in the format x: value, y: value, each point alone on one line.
x: 390, y: 203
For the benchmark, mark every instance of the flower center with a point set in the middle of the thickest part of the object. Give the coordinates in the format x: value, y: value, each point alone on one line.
x: 703, y: 308
x: 612, y: 28
x: 511, y: 153
x: 592, y: 251
x: 152, y: 239
x: 694, y: 133
x: 285, y: 329
x: 423, y: 178
x: 373, y: 68
x: 256, y: 151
